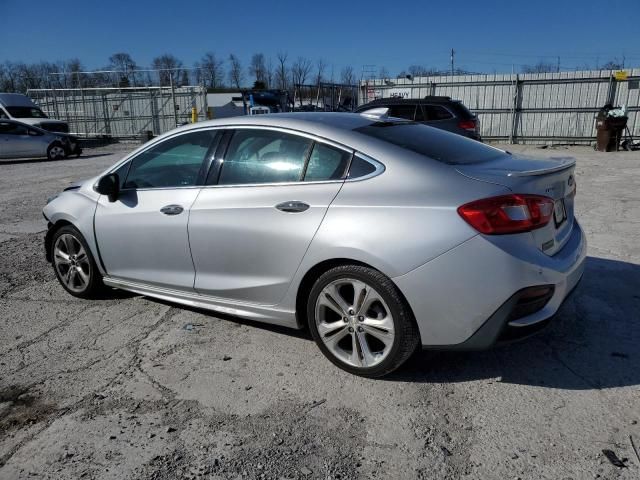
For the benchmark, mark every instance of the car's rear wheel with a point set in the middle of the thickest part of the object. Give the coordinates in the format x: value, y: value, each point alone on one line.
x: 74, y: 265
x: 56, y: 152
x: 360, y: 321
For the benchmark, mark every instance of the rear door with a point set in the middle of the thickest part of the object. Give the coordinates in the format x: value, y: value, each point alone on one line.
x: 250, y: 228
x: 16, y: 141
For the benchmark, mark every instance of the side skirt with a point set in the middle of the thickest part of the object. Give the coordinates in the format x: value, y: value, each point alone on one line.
x: 259, y: 313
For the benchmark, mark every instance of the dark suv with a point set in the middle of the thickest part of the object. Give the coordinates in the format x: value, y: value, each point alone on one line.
x: 439, y: 112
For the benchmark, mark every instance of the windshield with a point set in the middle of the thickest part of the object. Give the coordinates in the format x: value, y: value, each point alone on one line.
x: 26, y: 112
x: 431, y: 142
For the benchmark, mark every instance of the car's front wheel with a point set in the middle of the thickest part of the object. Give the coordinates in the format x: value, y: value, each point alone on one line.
x: 56, y: 152
x: 74, y: 265
x: 360, y: 321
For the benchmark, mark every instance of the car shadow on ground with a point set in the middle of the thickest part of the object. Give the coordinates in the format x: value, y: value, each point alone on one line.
x: 592, y: 343
x: 16, y: 161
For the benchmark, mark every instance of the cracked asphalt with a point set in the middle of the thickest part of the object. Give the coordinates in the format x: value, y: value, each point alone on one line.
x: 129, y: 387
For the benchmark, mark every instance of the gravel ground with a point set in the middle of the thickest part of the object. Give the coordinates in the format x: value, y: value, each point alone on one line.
x: 129, y: 387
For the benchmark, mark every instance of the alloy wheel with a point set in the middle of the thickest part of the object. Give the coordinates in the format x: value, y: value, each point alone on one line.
x: 354, y: 322
x: 57, y: 152
x: 71, y: 263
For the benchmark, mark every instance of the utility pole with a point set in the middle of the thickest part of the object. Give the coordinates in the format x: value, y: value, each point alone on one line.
x: 452, y: 63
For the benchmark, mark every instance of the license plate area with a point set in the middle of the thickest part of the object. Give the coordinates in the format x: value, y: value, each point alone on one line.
x: 559, y: 212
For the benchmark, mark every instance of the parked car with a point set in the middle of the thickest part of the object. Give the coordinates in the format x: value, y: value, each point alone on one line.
x: 379, y: 235
x: 439, y: 112
x: 18, y: 140
x: 15, y: 106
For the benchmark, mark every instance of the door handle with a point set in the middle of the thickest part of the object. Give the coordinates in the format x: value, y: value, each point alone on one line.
x: 172, y: 210
x: 292, y: 206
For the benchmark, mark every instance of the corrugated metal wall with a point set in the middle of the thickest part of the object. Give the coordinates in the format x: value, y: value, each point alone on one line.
x: 526, y: 108
x: 121, y: 113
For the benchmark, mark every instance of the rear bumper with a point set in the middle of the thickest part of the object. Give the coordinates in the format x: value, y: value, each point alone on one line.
x: 464, y: 299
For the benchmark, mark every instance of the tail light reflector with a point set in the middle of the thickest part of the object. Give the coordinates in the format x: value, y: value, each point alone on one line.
x: 468, y: 125
x: 508, y: 213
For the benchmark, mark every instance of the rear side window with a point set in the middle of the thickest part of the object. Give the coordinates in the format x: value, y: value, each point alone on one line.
x: 402, y: 111
x: 436, y: 112
x: 264, y: 156
x: 326, y: 163
x: 360, y: 168
x: 431, y: 142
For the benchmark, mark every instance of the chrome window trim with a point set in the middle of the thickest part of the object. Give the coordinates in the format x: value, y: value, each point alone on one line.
x: 379, y: 167
x: 157, y: 141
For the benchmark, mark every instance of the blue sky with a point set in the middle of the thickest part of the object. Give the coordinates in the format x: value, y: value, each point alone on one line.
x: 488, y: 36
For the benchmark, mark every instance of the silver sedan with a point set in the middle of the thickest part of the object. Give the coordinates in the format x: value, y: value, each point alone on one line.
x: 19, y: 140
x: 380, y: 235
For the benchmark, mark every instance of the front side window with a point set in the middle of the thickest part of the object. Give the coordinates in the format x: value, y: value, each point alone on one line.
x: 174, y: 162
x: 326, y: 163
x: 263, y: 156
x: 402, y: 111
x: 8, y: 128
x: 3, y: 114
x: 26, y: 112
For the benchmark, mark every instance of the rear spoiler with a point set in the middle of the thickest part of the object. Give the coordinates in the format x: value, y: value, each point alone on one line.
x: 566, y: 163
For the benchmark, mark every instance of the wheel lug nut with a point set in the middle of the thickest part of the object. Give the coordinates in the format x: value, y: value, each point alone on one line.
x: 361, y: 318
x: 360, y: 329
x: 351, y: 312
x: 351, y: 329
x: 345, y: 319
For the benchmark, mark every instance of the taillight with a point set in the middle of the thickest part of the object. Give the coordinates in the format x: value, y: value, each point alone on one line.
x: 468, y: 125
x: 508, y: 213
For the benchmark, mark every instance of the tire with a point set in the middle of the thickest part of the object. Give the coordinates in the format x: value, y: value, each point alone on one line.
x: 377, y: 332
x: 56, y: 152
x: 74, y: 265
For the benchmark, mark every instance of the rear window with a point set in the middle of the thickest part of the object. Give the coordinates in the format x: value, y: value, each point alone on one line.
x: 431, y: 142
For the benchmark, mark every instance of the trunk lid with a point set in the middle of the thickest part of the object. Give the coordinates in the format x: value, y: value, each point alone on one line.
x: 550, y: 177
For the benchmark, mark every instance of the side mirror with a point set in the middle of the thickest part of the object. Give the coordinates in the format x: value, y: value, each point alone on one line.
x: 109, y: 185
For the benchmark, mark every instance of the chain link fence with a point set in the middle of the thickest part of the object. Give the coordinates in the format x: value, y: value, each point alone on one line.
x: 122, y: 113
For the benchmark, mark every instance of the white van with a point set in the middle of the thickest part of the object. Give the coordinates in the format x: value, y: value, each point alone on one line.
x: 15, y: 106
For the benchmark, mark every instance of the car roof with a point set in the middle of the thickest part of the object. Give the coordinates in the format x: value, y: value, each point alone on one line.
x: 15, y: 100
x: 410, y: 101
x: 335, y: 126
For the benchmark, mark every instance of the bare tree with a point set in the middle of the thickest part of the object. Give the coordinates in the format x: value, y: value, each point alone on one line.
x: 258, y: 68
x: 210, y: 70
x: 612, y: 65
x: 269, y: 74
x: 235, y: 71
x: 348, y: 76
x: 282, y: 71
x: 300, y: 70
x: 125, y: 66
x: 321, y: 66
x: 168, y: 66
x: 540, y: 67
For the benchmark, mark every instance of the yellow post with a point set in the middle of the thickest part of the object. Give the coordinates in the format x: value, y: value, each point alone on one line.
x: 194, y: 115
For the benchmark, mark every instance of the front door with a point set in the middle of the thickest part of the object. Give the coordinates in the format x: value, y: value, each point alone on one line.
x: 250, y: 229
x: 142, y: 236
